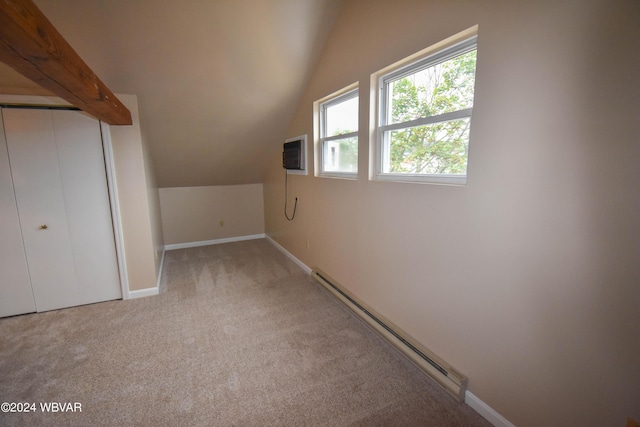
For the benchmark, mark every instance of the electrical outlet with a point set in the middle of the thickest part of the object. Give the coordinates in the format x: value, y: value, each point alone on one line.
x: 632, y: 423
x: 307, y: 243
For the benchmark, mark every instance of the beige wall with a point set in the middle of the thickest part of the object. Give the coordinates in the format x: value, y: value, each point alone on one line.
x: 139, y: 207
x: 197, y: 214
x: 153, y: 199
x: 526, y: 279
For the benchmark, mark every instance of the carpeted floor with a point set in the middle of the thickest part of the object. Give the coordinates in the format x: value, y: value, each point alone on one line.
x: 239, y: 336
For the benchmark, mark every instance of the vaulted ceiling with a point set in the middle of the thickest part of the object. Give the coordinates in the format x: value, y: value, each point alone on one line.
x: 217, y: 80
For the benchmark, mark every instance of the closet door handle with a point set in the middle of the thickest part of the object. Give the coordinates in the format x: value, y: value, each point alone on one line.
x: 43, y: 227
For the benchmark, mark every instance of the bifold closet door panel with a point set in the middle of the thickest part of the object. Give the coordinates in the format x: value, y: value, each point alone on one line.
x: 84, y: 181
x: 36, y: 177
x: 60, y: 186
x: 16, y: 296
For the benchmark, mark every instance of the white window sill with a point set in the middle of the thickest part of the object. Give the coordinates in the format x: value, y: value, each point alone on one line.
x: 423, y: 179
x: 339, y: 175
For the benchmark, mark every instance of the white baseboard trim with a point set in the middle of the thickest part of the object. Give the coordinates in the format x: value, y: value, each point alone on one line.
x: 301, y: 264
x: 212, y: 242
x: 487, y: 412
x: 140, y: 293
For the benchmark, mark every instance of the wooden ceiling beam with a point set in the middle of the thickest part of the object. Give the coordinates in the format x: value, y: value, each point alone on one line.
x: 31, y: 45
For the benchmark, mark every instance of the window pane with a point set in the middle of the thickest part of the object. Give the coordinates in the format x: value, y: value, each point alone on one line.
x: 441, y: 88
x: 342, y: 118
x: 439, y: 148
x: 341, y: 155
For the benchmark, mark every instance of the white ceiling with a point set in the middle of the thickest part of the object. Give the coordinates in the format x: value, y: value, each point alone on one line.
x: 217, y: 80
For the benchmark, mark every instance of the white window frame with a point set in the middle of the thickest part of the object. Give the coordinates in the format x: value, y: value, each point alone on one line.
x: 319, y: 108
x: 458, y: 44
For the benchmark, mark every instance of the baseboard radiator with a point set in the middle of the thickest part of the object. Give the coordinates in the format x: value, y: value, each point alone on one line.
x: 450, y: 379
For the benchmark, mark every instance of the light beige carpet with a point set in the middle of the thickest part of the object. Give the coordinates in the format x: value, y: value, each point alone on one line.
x: 239, y: 336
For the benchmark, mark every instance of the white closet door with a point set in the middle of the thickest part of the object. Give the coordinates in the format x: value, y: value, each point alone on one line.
x: 81, y: 159
x: 16, y: 296
x: 61, y: 191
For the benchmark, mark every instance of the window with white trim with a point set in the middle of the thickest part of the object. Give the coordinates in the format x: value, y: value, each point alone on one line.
x: 425, y: 107
x: 337, y: 147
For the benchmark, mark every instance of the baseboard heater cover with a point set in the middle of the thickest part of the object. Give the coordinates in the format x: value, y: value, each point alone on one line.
x: 449, y: 378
